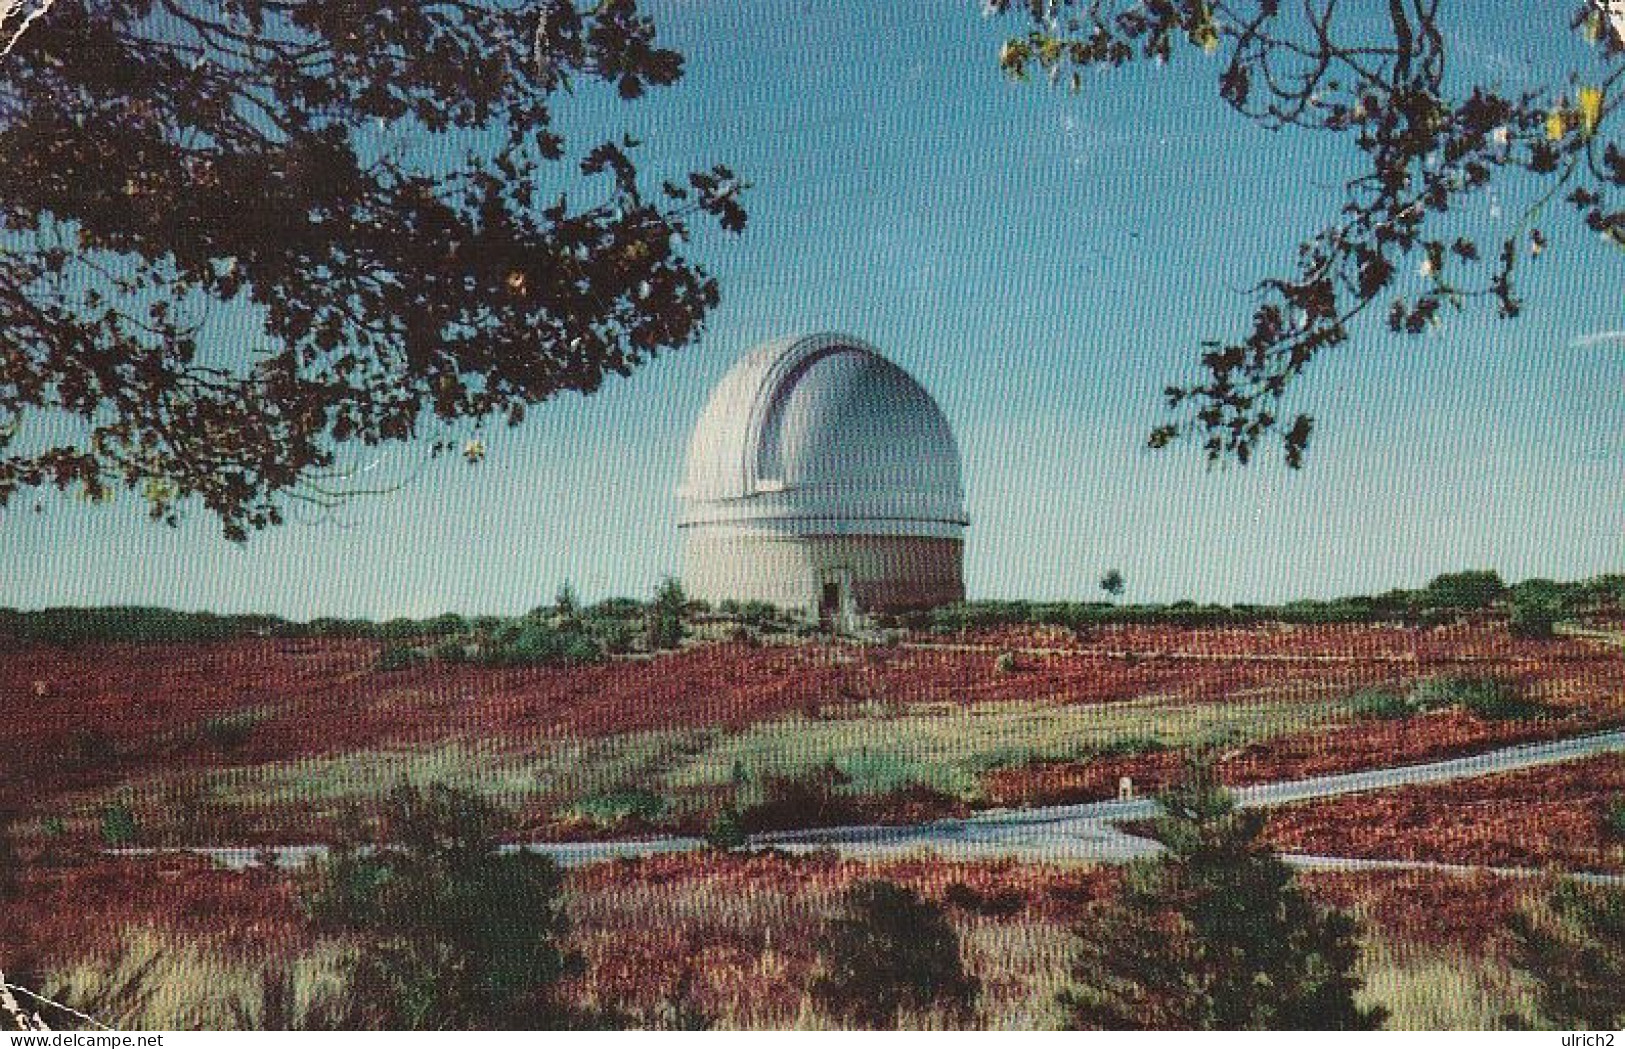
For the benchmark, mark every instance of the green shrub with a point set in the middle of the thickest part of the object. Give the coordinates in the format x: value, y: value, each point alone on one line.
x: 1571, y: 942
x: 1613, y: 818
x: 457, y: 934
x: 73, y: 626
x: 1437, y: 617
x: 725, y: 832
x: 1005, y: 663
x: 396, y: 657
x: 619, y: 806
x: 448, y: 625
x: 761, y: 615
x: 534, y: 642
x: 400, y: 628
x: 813, y: 799
x: 118, y: 824
x: 1463, y: 591
x: 1532, y: 616
x: 888, y: 951
x: 998, y: 903
x: 1380, y: 705
x: 231, y: 731
x: 190, y: 810
x: 616, y: 608
x: 452, y: 650
x: 1602, y: 595
x: 1213, y: 933
x: 1490, y: 699
x: 617, y: 636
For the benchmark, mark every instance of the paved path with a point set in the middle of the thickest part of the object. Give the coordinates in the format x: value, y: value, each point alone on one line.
x: 1086, y: 831
x: 1073, y: 832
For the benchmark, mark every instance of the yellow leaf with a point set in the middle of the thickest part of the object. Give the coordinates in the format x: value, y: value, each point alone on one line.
x: 1590, y: 108
x: 1012, y: 57
x: 1555, y: 125
x: 1203, y: 33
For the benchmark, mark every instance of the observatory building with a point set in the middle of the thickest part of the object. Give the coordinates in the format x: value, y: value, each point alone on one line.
x: 822, y: 478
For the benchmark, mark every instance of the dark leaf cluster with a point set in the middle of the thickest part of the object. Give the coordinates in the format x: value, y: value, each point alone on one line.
x: 242, y: 237
x: 1375, y: 77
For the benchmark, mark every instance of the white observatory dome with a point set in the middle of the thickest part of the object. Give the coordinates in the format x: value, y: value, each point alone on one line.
x: 822, y: 473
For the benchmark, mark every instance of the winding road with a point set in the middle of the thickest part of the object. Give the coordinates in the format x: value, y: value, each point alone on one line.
x: 1085, y: 832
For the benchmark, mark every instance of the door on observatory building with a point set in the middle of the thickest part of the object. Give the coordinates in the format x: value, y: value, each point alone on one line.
x: 829, y: 604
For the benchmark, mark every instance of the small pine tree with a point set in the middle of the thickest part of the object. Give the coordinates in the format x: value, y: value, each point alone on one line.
x: 665, y: 616
x: 1112, y: 583
x: 890, y: 950
x: 119, y: 825
x: 458, y: 935
x: 1213, y: 934
x: 565, y: 603
x: 1572, y: 942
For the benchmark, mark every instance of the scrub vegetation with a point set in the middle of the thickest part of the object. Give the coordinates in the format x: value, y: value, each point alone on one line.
x: 248, y: 740
x: 573, y: 722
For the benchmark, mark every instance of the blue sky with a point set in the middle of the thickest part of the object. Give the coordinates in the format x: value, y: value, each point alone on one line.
x: 1044, y: 263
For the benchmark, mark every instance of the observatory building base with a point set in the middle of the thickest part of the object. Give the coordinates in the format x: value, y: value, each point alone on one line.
x: 827, y: 577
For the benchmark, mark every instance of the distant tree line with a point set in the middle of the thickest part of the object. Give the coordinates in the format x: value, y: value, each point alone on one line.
x: 619, y: 625
x: 1531, y: 607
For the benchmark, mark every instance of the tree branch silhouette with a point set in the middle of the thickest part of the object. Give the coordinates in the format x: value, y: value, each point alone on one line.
x: 1425, y: 141
x: 240, y: 237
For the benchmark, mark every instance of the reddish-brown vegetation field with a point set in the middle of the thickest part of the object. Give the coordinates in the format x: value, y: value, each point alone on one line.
x: 735, y: 935
x: 1553, y: 815
x: 82, y: 904
x: 99, y: 715
x: 1425, y: 909
x: 322, y: 697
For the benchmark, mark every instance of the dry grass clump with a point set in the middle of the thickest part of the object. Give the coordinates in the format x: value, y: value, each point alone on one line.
x: 157, y: 981
x: 1436, y: 989
x: 740, y: 953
